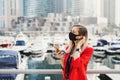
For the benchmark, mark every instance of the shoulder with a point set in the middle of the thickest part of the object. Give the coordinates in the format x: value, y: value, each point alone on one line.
x: 89, y: 49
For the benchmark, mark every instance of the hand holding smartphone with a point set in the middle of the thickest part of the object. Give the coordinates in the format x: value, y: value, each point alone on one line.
x: 58, y: 52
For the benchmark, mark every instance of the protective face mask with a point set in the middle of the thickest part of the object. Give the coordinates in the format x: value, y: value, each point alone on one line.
x: 72, y: 36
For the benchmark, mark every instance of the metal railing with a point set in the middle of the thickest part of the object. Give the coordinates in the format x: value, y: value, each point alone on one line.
x: 53, y: 71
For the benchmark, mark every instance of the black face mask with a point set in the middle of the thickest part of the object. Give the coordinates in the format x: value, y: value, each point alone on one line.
x: 72, y: 36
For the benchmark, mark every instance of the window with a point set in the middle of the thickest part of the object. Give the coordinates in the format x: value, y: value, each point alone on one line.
x: 13, y: 7
x: 2, y: 10
x: 2, y: 24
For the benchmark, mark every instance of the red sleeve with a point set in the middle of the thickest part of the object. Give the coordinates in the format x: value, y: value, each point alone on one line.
x: 84, y: 58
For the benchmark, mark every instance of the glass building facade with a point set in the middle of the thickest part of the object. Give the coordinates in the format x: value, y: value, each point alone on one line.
x: 75, y: 7
x: 13, y: 7
x: 72, y: 7
x: 58, y: 6
x: 68, y: 6
x: 35, y: 8
x: 2, y: 13
x: 9, y: 10
x: 2, y: 7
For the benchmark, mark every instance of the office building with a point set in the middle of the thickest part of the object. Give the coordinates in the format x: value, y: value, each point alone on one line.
x: 9, y: 11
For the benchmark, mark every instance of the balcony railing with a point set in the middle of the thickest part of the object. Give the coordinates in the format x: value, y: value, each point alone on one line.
x: 53, y: 71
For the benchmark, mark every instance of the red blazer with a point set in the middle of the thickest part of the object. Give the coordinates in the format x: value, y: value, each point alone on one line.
x: 78, y: 66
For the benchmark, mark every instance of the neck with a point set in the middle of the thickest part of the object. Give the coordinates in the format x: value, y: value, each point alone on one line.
x: 76, y: 42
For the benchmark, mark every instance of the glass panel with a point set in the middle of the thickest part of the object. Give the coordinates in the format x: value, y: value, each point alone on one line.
x: 2, y: 7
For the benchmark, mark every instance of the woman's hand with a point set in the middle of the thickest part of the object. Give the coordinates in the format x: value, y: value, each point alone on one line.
x: 57, y: 49
x: 78, y: 48
x: 81, y: 42
x: 59, y: 53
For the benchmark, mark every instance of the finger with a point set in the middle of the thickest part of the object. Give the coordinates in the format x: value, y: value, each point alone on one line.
x: 59, y: 53
x: 56, y: 49
x: 82, y: 40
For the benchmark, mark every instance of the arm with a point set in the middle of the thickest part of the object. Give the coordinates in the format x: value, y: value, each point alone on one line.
x: 84, y: 58
x: 79, y: 48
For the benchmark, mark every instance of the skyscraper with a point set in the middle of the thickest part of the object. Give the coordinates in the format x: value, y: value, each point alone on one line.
x: 34, y: 8
x: 2, y: 8
x: 112, y: 11
x: 2, y: 13
x: 75, y: 9
x: 9, y: 10
x: 51, y: 6
x: 67, y: 6
x: 58, y: 6
x: 72, y: 7
x: 93, y: 8
x: 38, y: 8
x: 117, y: 13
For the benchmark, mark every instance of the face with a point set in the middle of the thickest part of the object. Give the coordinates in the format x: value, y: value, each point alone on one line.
x: 74, y: 34
x: 75, y: 30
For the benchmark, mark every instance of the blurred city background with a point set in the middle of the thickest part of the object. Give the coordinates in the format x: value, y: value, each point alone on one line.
x: 30, y: 28
x: 100, y: 16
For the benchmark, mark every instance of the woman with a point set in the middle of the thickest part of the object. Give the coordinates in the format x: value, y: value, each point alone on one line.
x: 74, y: 62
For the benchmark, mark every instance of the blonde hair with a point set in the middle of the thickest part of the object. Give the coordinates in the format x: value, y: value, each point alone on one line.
x: 83, y: 32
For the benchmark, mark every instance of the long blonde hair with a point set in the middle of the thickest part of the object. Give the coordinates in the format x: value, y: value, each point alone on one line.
x: 82, y: 32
